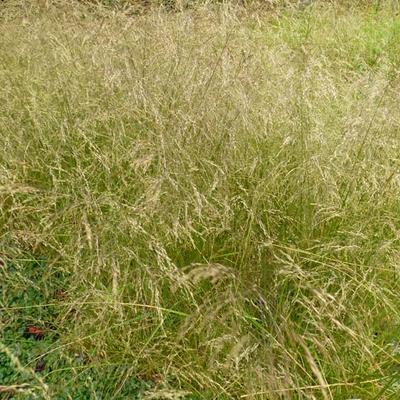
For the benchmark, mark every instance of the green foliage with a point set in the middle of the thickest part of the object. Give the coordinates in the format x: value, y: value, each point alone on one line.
x: 27, y: 293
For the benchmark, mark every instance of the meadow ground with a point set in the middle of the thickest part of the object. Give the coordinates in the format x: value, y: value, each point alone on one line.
x: 200, y: 204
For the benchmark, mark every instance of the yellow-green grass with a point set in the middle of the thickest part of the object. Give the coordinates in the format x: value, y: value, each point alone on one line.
x: 219, y: 189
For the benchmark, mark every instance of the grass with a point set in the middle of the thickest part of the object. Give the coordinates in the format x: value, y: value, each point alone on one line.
x: 201, y: 204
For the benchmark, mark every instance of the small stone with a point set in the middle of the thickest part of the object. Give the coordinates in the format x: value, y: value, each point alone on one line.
x: 79, y: 358
x: 40, y: 365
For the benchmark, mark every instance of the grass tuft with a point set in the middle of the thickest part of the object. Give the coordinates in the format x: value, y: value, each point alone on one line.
x: 200, y: 204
